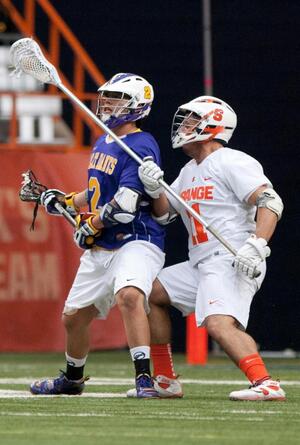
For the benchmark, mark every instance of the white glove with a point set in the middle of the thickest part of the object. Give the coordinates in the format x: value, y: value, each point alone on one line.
x: 49, y: 198
x: 250, y: 255
x: 149, y: 174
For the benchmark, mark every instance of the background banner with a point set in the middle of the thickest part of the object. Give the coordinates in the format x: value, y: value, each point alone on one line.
x: 37, y: 267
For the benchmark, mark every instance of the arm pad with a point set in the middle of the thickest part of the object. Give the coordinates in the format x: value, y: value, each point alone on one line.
x: 270, y: 200
x: 122, y: 209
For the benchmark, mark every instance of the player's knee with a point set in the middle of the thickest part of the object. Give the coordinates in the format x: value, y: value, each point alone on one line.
x: 69, y: 322
x: 74, y: 322
x: 159, y: 296
x: 129, y: 299
x: 219, y: 326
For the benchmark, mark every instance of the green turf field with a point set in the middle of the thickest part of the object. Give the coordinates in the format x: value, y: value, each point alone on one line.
x: 203, y: 416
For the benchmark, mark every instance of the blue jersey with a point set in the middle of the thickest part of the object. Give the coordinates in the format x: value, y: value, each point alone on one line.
x: 111, y: 168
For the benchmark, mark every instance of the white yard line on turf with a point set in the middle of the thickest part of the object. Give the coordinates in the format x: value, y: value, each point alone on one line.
x: 12, y: 394
x: 121, y: 381
x: 144, y: 416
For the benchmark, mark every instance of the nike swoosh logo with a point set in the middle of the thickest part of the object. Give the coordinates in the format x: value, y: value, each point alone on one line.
x: 130, y: 279
x: 212, y: 301
x: 207, y: 179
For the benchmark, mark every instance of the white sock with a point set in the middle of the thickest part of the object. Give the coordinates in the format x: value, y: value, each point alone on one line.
x: 76, y: 362
x: 140, y: 352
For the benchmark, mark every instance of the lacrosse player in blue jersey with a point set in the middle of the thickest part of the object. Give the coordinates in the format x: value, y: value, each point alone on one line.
x: 123, y: 243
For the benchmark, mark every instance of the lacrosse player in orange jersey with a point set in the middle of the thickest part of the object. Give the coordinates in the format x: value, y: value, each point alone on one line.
x: 229, y: 188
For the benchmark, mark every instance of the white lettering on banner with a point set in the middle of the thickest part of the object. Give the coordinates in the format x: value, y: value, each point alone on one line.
x: 11, y: 208
x: 33, y: 276
x: 45, y: 276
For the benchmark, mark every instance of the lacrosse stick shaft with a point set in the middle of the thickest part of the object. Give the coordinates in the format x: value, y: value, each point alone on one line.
x: 139, y: 161
x: 99, y: 123
x: 27, y: 57
x: 65, y: 214
x: 198, y: 217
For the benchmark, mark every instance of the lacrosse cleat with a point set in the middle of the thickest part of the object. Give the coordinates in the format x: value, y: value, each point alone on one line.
x: 144, y: 387
x: 60, y: 385
x: 267, y: 390
x: 167, y: 388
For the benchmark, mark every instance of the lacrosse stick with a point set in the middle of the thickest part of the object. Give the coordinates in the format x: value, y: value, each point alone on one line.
x: 27, y: 57
x: 31, y: 191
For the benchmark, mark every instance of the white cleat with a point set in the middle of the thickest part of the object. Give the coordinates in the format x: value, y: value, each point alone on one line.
x: 266, y: 391
x: 167, y: 388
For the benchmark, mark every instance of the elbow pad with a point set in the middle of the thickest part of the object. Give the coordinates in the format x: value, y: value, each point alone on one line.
x: 270, y: 200
x: 123, y: 210
x: 167, y: 218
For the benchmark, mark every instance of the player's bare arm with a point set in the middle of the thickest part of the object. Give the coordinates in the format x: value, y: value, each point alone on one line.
x: 80, y: 199
x: 160, y: 206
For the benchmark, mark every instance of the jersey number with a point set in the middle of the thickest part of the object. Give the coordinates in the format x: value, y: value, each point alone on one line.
x: 94, y: 186
x: 199, y: 234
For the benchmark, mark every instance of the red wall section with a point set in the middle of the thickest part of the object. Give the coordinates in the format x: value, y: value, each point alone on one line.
x: 37, y: 267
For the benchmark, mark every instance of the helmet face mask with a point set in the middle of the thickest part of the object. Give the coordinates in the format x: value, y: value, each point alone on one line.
x: 125, y: 98
x: 203, y: 119
x: 114, y: 104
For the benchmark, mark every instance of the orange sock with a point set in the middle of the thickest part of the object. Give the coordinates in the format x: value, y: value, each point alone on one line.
x: 254, y: 368
x: 162, y: 360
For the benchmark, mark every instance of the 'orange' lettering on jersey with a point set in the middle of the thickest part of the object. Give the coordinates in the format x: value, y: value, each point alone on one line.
x: 198, y: 193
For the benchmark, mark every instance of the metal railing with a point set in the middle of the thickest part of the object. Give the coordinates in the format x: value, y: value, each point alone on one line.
x: 83, y: 66
x: 11, y: 118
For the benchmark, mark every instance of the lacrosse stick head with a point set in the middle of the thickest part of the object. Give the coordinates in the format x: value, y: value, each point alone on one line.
x: 31, y: 188
x: 27, y: 57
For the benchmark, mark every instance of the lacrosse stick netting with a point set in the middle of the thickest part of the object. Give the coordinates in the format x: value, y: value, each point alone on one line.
x: 27, y: 57
x: 31, y: 191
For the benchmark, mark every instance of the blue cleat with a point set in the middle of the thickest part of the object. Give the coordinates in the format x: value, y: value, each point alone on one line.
x: 144, y: 387
x: 60, y: 385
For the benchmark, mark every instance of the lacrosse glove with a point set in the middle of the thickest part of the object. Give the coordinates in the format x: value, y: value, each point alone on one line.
x: 250, y: 255
x: 84, y: 235
x: 52, y: 196
x: 149, y: 174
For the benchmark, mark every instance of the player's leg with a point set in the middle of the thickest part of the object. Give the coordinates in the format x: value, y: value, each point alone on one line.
x: 177, y: 286
x: 159, y: 318
x: 88, y: 298
x: 223, y: 304
x: 241, y: 348
x: 70, y: 381
x: 135, y: 268
x: 77, y: 340
x: 225, y: 330
x: 165, y: 378
x: 161, y: 354
x: 131, y: 304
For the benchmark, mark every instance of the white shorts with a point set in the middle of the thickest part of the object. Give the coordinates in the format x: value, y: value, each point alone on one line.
x: 103, y: 273
x: 211, y: 287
